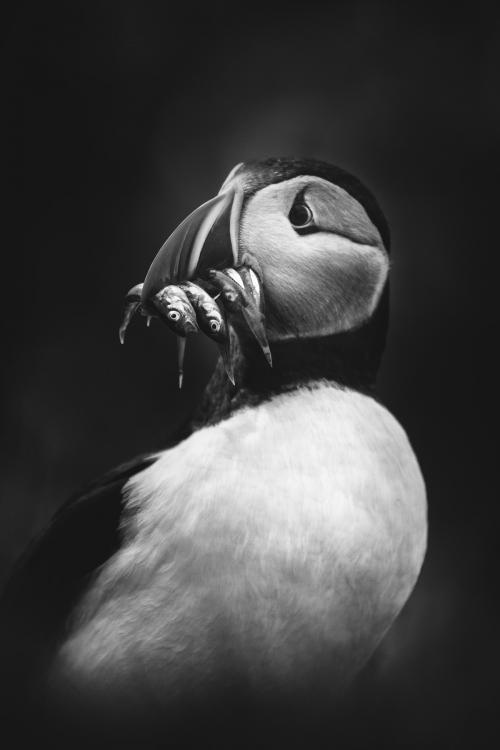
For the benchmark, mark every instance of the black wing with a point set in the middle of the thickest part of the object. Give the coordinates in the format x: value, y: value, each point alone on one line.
x: 51, y: 576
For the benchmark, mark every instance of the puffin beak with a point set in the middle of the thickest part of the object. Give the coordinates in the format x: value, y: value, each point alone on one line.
x: 207, y: 238
x: 205, y: 243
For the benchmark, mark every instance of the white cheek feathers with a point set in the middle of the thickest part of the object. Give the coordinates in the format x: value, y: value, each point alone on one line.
x: 321, y: 283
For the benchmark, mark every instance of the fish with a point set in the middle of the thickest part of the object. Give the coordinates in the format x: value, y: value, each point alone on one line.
x: 175, y: 310
x: 212, y: 321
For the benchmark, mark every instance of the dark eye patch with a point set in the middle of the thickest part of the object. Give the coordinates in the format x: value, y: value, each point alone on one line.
x: 311, y: 229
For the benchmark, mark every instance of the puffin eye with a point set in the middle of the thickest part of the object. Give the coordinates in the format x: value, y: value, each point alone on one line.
x: 174, y: 315
x: 215, y: 326
x: 300, y: 215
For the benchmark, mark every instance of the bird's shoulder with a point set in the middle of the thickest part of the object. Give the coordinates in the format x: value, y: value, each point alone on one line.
x: 55, y: 569
x: 93, y: 515
x: 81, y: 535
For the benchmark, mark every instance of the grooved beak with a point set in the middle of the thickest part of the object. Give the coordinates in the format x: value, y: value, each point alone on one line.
x: 207, y: 238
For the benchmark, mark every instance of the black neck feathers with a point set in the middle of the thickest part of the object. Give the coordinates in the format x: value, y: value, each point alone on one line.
x: 349, y: 360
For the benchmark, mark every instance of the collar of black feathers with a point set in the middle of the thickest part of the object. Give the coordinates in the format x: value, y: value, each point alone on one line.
x: 347, y: 360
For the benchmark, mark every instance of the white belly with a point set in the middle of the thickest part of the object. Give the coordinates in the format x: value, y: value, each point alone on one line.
x: 274, y: 548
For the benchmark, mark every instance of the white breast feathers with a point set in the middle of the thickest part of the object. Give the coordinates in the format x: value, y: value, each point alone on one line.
x: 274, y: 548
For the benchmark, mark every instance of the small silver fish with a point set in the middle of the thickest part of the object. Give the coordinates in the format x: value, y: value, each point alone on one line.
x: 212, y: 321
x: 131, y: 306
x: 209, y: 315
x: 239, y: 302
x: 175, y: 310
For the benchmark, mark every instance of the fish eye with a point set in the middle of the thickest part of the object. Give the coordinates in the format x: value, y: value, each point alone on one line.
x: 215, y: 326
x: 174, y: 315
x: 300, y: 215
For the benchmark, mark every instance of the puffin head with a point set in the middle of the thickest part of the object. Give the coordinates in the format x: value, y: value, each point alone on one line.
x: 319, y: 243
x: 324, y: 261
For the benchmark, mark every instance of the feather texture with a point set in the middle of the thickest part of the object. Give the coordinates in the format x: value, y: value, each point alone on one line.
x: 273, y: 549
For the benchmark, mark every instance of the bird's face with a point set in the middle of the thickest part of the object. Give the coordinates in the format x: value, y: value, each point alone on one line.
x: 287, y: 250
x: 323, y: 261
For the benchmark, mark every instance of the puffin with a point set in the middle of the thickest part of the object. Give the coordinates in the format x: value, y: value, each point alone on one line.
x: 250, y: 568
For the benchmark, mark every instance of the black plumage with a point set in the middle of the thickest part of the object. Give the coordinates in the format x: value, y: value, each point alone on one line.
x: 52, y: 574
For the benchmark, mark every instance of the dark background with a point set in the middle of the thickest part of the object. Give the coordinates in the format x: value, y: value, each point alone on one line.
x: 119, y: 119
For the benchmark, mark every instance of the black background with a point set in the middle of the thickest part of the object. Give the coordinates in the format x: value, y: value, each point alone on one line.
x: 119, y: 119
